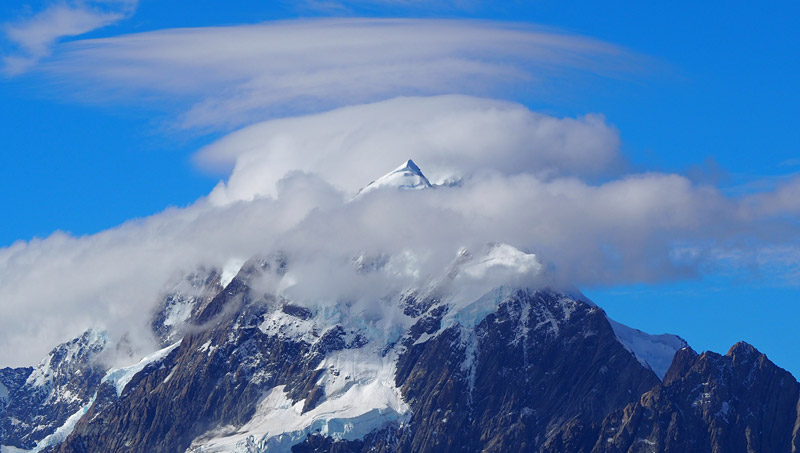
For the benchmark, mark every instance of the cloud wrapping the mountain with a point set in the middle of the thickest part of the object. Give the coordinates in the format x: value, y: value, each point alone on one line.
x: 626, y: 228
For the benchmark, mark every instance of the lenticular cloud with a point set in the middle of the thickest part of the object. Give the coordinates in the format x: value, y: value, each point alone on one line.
x: 452, y: 136
x: 231, y: 76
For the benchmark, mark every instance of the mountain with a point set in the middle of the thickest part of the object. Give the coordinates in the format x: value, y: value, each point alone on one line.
x: 488, y: 354
x: 739, y: 402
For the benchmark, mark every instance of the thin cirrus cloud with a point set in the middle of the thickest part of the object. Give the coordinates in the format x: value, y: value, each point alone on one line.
x: 230, y: 76
x: 35, y: 36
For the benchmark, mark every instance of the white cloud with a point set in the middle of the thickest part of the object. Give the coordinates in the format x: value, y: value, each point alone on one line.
x: 53, y: 288
x: 229, y: 76
x: 35, y: 36
x: 785, y: 198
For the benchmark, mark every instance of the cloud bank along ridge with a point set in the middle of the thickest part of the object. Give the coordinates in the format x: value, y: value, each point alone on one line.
x: 291, y: 188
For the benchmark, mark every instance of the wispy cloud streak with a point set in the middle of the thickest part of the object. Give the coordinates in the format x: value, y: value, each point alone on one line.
x: 35, y: 36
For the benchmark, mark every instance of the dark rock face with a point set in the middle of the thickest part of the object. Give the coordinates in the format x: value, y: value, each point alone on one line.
x: 561, y: 370
x: 40, y: 399
x: 538, y: 374
x: 13, y: 389
x: 739, y: 402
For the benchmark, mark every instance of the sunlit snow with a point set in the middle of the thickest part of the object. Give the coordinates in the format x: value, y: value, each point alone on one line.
x: 406, y: 176
x: 653, y: 351
x: 120, y: 377
x: 360, y: 396
x: 230, y: 269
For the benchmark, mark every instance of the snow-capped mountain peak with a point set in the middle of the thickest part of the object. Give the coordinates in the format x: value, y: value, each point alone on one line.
x: 405, y: 177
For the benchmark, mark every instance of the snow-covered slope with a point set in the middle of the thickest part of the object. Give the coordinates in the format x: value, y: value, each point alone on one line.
x: 405, y: 177
x: 119, y: 377
x: 61, y: 359
x: 63, y: 431
x: 360, y: 396
x: 655, y: 351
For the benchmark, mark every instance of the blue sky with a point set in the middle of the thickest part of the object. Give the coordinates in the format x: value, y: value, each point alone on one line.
x: 714, y: 96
